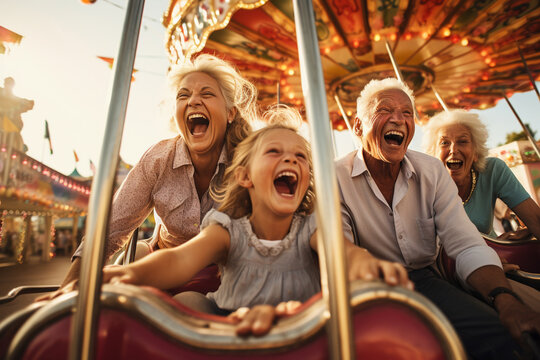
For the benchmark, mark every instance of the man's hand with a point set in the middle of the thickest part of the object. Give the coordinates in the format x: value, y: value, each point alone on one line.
x: 516, y: 316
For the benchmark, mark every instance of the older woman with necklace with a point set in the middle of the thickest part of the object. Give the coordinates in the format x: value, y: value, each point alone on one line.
x: 458, y: 138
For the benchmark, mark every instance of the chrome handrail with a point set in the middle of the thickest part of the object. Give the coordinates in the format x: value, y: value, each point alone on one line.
x: 84, y: 322
x: 334, y: 281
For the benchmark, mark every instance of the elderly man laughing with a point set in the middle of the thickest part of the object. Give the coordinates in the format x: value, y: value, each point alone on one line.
x: 403, y: 206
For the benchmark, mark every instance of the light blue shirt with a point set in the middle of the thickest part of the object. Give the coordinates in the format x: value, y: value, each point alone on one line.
x: 496, y: 181
x: 426, y: 213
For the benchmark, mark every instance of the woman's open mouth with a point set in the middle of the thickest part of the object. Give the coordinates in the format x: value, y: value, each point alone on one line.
x: 393, y: 137
x: 197, y: 124
x: 454, y: 164
x: 285, y: 183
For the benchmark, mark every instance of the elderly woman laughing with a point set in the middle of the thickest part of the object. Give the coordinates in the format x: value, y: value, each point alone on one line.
x: 458, y: 138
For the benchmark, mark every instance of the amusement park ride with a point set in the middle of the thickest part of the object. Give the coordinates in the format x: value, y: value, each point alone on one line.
x: 313, y: 55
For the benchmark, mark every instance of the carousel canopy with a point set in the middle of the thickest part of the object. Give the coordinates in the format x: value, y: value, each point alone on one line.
x: 468, y: 50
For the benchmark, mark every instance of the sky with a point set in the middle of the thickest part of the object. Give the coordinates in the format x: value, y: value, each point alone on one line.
x: 56, y: 65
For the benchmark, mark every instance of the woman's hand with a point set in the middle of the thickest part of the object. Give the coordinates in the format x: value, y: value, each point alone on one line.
x: 520, y: 234
x: 64, y: 289
x: 364, y: 266
x: 259, y: 320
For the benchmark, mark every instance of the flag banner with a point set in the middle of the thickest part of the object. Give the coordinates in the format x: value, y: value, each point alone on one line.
x: 8, y: 39
x: 110, y: 61
x: 48, y: 136
x: 76, y: 156
x: 9, y: 36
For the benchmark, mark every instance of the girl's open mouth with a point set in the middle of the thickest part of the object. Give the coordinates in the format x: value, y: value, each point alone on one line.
x: 285, y: 183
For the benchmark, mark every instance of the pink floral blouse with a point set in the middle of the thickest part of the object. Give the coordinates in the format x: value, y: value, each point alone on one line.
x: 161, y: 180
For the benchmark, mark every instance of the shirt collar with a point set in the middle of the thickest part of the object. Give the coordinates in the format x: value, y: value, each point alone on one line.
x: 182, y: 157
x: 359, y: 164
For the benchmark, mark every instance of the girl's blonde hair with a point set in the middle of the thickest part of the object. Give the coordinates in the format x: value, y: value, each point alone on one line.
x: 234, y: 199
x: 238, y: 92
x: 477, y: 129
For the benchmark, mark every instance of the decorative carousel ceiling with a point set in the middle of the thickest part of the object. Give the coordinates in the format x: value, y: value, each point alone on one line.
x: 468, y: 50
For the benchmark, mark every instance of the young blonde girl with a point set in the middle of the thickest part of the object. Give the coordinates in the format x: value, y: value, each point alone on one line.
x: 262, y: 235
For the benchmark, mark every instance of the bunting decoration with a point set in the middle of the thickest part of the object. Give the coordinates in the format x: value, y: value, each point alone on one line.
x: 110, y: 61
x: 48, y: 136
x: 8, y: 36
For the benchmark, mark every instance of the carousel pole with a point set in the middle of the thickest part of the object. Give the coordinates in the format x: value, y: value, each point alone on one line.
x: 85, y: 319
x: 346, y: 118
x: 525, y: 129
x: 531, y: 77
x: 398, y: 72
x: 335, y: 286
x: 439, y: 97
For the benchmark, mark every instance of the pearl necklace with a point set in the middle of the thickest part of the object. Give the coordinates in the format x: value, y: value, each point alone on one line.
x: 473, y: 174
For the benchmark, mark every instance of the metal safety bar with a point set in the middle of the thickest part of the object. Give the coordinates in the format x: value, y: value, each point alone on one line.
x: 334, y: 282
x: 84, y: 323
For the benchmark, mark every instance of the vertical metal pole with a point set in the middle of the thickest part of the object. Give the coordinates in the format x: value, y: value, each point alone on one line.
x: 441, y: 101
x: 531, y: 77
x: 346, y: 118
x: 525, y: 129
x: 398, y: 72
x: 83, y: 327
x: 334, y: 281
x: 333, y: 138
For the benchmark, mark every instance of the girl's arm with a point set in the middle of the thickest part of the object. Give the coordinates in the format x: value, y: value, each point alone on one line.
x: 169, y: 268
x: 361, y: 265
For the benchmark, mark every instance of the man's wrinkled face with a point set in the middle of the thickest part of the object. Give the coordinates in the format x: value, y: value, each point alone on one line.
x: 388, y: 128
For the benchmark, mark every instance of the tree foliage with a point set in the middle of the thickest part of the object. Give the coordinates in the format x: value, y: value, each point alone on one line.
x: 514, y: 136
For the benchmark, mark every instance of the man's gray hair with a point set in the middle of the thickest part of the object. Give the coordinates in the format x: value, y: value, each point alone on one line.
x: 365, y: 100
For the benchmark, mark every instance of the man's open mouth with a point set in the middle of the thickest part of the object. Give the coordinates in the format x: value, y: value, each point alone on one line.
x: 454, y: 164
x: 197, y: 124
x: 394, y: 137
x: 285, y: 183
